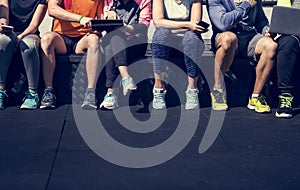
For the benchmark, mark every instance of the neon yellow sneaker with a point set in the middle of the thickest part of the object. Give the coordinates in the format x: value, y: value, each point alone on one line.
x: 218, y: 100
x: 259, y: 104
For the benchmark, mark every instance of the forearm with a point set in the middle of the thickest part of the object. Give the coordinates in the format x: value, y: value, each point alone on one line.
x: 165, y: 23
x: 35, y: 22
x: 223, y: 19
x: 4, y: 12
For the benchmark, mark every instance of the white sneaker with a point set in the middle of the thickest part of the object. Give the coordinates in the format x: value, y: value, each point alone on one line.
x: 192, y: 101
x: 110, y: 101
x: 159, y: 102
x: 128, y: 84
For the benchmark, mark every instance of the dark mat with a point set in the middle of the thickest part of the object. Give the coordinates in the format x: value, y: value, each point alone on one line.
x: 77, y: 167
x: 28, y: 144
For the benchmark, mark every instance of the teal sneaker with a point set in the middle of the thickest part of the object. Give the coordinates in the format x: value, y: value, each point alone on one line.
x: 128, y: 84
x: 159, y: 102
x: 31, y: 100
x: 192, y: 101
x: 110, y: 101
x: 2, y: 95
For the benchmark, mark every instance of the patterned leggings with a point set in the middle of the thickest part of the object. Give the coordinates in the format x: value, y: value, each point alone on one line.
x: 193, y: 47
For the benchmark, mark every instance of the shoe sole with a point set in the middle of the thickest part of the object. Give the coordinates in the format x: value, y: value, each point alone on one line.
x: 192, y: 108
x: 28, y: 108
x: 89, y: 107
x: 47, y: 107
x: 159, y: 108
x: 219, y: 109
x: 258, y: 111
x: 108, y: 107
x: 283, y: 115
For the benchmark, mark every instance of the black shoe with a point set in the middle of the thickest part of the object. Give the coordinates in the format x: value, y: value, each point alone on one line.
x: 284, y: 109
x: 48, y: 100
x: 89, y: 101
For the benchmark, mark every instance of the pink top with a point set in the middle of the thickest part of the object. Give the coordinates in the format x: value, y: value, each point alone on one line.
x: 143, y: 10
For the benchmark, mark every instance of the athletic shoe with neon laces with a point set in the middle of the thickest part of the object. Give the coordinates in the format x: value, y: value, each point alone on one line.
x: 110, y: 101
x: 48, y: 100
x: 89, y: 101
x: 192, y: 101
x: 159, y: 102
x: 2, y: 95
x: 128, y: 84
x: 218, y: 100
x: 284, y: 109
x: 31, y: 100
x: 259, y: 104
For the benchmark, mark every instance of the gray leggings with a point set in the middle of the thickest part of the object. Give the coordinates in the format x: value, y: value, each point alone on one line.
x: 29, y: 48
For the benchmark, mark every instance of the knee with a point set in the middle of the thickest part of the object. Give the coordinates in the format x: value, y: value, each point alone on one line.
x: 7, y: 40
x: 192, y: 38
x: 30, y: 44
x: 93, y: 41
x: 47, y: 41
x: 270, y: 46
x: 161, y: 35
x: 227, y: 40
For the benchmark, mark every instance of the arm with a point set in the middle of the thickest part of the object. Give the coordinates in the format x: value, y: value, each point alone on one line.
x: 37, y: 19
x: 54, y: 10
x: 144, y: 19
x: 160, y: 21
x: 223, y: 18
x: 4, y: 13
x: 100, y: 10
x: 261, y: 21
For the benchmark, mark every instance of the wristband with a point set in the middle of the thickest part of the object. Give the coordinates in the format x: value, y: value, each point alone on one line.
x: 80, y: 18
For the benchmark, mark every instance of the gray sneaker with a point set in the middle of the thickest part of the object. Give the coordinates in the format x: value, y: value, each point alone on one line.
x: 128, y: 84
x: 89, y: 101
x: 48, y: 100
x: 110, y: 101
x: 192, y: 101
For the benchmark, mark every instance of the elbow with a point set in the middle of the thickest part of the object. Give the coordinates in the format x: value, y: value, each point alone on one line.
x: 155, y: 23
x: 51, y: 12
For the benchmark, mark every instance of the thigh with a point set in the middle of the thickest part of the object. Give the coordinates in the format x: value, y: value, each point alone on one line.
x: 85, y: 42
x: 53, y: 40
x: 7, y: 39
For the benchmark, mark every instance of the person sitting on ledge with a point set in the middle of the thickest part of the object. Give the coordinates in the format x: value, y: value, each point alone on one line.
x: 123, y: 45
x: 71, y: 33
x: 177, y: 16
x: 238, y: 31
x: 25, y: 18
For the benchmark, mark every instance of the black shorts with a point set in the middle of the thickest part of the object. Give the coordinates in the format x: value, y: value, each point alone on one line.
x: 70, y: 42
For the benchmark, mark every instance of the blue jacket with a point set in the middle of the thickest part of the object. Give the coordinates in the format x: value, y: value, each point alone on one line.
x: 226, y: 16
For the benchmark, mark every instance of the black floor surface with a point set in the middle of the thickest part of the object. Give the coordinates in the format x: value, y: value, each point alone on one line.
x: 43, y: 149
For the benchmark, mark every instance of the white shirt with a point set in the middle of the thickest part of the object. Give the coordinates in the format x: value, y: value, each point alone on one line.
x: 177, y: 11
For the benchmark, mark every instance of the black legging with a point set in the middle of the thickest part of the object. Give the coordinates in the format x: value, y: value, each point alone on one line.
x: 288, y: 54
x: 118, y: 51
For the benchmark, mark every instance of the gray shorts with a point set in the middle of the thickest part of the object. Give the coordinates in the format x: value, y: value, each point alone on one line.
x: 246, y: 45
